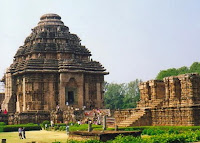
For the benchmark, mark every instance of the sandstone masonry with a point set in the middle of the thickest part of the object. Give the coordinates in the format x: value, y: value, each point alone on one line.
x: 172, y: 101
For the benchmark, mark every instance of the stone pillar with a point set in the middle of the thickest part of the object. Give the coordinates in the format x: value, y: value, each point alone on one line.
x: 86, y: 95
x: 24, y: 94
x: 167, y: 91
x: 152, y: 86
x: 98, y: 85
x: 80, y: 91
x: 89, y: 126
x: 80, y: 96
x: 61, y: 91
x: 104, y: 122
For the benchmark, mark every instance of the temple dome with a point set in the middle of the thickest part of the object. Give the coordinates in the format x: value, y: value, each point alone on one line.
x: 50, y: 19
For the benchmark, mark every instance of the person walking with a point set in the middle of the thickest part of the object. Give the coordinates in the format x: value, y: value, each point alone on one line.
x: 20, y: 133
x: 23, y: 133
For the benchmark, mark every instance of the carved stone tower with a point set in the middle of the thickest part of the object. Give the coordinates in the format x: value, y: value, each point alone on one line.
x: 53, y: 68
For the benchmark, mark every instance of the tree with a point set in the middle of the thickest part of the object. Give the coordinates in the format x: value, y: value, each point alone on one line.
x: 113, y: 97
x: 121, y: 96
x: 183, y: 70
x: 194, y: 68
x: 132, y: 94
x: 166, y: 73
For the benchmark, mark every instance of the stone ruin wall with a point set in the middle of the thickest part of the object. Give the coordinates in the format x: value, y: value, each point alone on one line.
x: 172, y: 101
x: 178, y: 116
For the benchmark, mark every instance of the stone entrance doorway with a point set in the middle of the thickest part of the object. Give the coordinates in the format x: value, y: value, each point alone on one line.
x: 70, y: 97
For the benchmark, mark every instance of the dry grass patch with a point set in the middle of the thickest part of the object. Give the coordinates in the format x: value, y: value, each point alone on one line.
x: 38, y: 136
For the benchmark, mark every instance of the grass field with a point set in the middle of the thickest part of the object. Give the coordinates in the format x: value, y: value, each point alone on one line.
x: 38, y: 136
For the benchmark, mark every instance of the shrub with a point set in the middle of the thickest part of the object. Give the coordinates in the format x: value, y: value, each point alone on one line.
x: 2, y: 123
x: 153, y: 131
x: 60, y: 124
x: 10, y: 128
x: 45, y: 122
x: 62, y: 128
x: 128, y: 139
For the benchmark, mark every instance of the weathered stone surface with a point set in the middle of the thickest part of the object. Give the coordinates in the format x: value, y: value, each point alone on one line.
x: 173, y: 101
x: 52, y: 68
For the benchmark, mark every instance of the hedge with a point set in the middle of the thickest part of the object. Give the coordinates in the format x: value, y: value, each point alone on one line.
x: 11, y: 128
x: 184, y: 137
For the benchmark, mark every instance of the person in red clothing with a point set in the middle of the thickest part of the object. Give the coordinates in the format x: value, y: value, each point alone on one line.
x: 5, y: 111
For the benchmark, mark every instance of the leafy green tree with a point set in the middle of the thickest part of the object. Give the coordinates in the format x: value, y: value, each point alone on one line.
x: 132, y: 94
x: 183, y: 70
x: 121, y: 96
x: 166, y: 73
x: 194, y: 68
x: 113, y: 97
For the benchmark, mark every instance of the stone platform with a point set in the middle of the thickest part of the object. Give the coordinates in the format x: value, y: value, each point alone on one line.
x: 106, y: 135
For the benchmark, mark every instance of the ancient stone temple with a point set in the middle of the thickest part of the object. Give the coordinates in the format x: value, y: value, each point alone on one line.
x: 52, y: 69
x: 172, y: 101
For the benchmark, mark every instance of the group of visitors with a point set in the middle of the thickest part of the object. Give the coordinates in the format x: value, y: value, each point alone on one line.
x: 22, y: 133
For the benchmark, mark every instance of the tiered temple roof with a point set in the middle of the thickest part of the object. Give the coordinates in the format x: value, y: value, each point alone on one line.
x: 51, y: 47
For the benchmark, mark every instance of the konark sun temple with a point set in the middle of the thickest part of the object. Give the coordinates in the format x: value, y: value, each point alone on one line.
x: 53, y: 78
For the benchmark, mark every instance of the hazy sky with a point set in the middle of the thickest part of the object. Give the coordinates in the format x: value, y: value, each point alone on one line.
x: 131, y: 38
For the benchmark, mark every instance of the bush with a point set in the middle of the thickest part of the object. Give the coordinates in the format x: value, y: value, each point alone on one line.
x: 76, y: 127
x: 60, y: 124
x: 153, y: 131
x: 2, y: 123
x: 62, y: 128
x: 45, y: 122
x: 11, y: 128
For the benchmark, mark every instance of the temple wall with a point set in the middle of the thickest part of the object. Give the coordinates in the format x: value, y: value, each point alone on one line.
x: 10, y: 98
x: 172, y: 116
x: 151, y: 91
x: 36, y: 92
x: 28, y: 117
x: 93, y: 91
x: 172, y: 102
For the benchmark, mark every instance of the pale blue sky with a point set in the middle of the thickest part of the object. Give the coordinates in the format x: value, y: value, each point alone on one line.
x: 131, y: 38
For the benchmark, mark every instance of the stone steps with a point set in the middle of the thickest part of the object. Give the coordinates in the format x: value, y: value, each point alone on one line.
x: 138, y: 114
x: 133, y: 118
x: 110, y: 121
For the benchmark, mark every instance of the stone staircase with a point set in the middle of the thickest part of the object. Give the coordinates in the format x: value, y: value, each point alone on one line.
x: 140, y: 113
x: 132, y: 119
x: 110, y: 122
